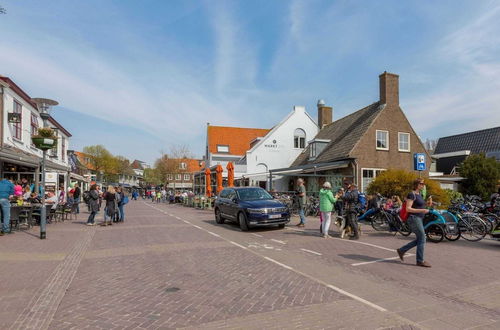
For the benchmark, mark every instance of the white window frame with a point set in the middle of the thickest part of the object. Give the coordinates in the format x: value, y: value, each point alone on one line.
x: 187, y: 177
x: 170, y: 177
x: 182, y: 166
x: 363, y: 188
x: 223, y: 148
x: 298, y: 139
x: 376, y: 139
x: 399, y: 142
x: 178, y: 177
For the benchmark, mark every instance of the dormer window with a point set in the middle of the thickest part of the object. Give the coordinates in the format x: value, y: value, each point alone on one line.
x: 299, y: 139
x: 223, y: 148
x: 317, y: 146
x: 182, y: 166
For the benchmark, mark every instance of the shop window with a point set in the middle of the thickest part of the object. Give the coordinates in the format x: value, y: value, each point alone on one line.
x: 404, y: 142
x: 299, y: 139
x: 382, y: 140
x: 18, y: 127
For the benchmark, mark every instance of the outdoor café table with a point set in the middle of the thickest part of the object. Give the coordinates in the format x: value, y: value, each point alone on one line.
x: 16, y: 211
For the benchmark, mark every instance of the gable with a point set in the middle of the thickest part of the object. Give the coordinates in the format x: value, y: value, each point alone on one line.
x: 236, y: 138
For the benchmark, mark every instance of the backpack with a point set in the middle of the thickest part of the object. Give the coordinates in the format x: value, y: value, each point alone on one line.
x: 362, y: 200
x: 86, y: 197
x: 403, y: 213
x: 125, y: 199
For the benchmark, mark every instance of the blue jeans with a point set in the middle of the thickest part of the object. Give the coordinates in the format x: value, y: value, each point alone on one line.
x: 5, y: 204
x: 77, y: 201
x: 367, y: 214
x: 417, y: 227
x: 122, y: 214
x: 91, y: 217
x: 301, y: 215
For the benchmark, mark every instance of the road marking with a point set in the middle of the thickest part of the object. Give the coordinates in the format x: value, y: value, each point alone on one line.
x: 178, y: 218
x: 278, y: 263
x: 339, y: 290
x: 379, y: 260
x: 350, y: 241
x: 277, y: 241
x: 256, y: 235
x: 313, y: 252
x: 214, y: 234
x: 197, y: 227
x: 238, y: 245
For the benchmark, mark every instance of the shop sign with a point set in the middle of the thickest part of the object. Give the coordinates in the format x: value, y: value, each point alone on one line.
x: 51, y: 177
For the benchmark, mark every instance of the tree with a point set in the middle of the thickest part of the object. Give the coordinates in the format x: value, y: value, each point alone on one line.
x: 151, y: 176
x: 400, y: 183
x: 481, y: 175
x: 101, y: 160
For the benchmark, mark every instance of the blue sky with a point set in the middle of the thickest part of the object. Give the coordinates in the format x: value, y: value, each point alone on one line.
x: 142, y: 76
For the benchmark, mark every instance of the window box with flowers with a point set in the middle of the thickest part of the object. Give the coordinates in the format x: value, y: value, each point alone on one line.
x: 44, y: 139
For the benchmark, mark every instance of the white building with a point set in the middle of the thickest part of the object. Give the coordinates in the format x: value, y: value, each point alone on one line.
x: 279, y: 148
x: 19, y: 158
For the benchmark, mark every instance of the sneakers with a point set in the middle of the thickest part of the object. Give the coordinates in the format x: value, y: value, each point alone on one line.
x: 400, y: 254
x: 90, y: 224
x: 300, y: 225
x: 424, y: 264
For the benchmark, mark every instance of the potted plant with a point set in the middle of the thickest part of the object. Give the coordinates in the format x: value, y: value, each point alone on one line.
x: 44, y: 138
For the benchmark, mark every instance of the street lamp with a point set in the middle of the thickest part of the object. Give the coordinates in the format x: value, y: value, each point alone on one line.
x: 43, y: 106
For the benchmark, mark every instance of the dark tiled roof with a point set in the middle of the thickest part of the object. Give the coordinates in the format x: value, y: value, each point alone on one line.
x: 343, y: 135
x: 485, y: 140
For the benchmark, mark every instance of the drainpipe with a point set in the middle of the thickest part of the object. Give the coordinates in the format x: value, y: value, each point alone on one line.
x: 270, y: 180
x: 2, y: 121
x: 355, y: 179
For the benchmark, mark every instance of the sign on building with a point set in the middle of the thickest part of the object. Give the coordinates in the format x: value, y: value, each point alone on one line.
x: 419, y: 162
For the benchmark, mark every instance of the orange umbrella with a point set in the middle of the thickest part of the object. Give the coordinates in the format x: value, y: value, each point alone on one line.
x: 219, y: 171
x: 230, y: 174
x: 208, y: 187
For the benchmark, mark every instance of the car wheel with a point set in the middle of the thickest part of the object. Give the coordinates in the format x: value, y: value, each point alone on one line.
x: 218, y: 216
x: 281, y: 226
x: 242, y: 219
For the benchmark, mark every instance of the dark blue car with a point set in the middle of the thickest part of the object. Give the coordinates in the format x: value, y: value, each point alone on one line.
x: 249, y: 207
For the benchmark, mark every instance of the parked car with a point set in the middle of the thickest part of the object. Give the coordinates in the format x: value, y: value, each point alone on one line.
x: 250, y: 207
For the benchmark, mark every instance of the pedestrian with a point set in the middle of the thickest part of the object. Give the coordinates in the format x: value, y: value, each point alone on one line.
x: 77, y: 194
x: 416, y: 208
x: 6, y: 193
x: 326, y: 202
x: 111, y: 206
x: 93, y: 199
x: 61, y: 195
x: 158, y: 196
x: 351, y: 204
x: 301, y: 194
x: 121, y: 204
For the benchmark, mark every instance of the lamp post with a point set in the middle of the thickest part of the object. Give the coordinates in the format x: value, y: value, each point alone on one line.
x: 44, y: 108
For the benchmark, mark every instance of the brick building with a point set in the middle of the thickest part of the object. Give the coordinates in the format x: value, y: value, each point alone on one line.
x: 361, y: 145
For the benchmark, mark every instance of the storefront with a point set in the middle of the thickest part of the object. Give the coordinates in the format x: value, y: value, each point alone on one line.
x: 18, y: 165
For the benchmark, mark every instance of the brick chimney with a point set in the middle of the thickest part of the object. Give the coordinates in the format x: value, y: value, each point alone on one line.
x: 389, y: 88
x: 325, y: 114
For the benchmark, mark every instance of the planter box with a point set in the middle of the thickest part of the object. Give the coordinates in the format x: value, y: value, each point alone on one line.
x: 44, y: 143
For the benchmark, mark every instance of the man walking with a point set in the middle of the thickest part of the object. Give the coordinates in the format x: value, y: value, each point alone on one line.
x: 301, y: 194
x: 6, y: 193
x: 351, y: 197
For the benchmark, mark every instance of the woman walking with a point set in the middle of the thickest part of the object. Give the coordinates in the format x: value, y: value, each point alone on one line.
x: 123, y: 199
x: 415, y: 206
x: 93, y: 202
x: 326, y: 202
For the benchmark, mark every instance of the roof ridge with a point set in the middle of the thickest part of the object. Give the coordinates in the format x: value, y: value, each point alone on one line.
x: 472, y: 132
x: 238, y: 127
x: 351, y: 114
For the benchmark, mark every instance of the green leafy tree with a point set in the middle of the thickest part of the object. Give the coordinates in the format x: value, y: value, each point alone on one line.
x: 453, y: 195
x: 400, y: 183
x: 102, y: 162
x: 151, y: 176
x: 481, y: 175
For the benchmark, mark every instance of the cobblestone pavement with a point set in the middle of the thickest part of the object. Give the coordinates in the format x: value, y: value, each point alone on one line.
x: 169, y: 266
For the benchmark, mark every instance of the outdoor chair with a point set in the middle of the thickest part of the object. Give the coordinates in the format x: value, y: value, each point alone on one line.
x: 59, y: 212
x: 25, y: 217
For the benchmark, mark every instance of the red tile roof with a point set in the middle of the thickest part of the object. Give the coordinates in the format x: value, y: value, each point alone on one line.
x: 237, y: 138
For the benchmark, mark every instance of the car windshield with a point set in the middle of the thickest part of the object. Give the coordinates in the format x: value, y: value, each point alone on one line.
x: 252, y: 194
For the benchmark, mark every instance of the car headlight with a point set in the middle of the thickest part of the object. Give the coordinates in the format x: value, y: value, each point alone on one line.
x: 257, y: 211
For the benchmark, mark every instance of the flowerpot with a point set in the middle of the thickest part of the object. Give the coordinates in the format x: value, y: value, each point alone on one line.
x: 44, y: 143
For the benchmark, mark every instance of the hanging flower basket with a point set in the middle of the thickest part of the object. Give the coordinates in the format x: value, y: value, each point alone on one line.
x: 45, y: 139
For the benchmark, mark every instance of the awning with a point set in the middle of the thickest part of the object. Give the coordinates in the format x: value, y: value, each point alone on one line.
x: 19, y: 158
x: 310, y: 168
x: 78, y: 177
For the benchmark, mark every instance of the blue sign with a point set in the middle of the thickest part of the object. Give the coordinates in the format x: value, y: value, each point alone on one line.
x: 419, y: 162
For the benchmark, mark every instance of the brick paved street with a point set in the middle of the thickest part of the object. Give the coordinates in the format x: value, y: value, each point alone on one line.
x: 169, y: 266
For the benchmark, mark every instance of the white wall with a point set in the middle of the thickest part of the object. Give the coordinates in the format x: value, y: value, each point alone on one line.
x: 276, y: 149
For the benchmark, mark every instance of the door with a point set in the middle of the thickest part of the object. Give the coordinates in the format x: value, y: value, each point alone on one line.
x: 232, y: 205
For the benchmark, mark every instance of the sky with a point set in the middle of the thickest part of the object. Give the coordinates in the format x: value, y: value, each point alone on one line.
x: 141, y: 77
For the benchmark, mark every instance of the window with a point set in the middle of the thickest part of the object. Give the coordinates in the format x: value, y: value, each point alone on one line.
x: 299, y: 139
x: 53, y: 151
x: 316, y: 147
x: 34, y: 125
x: 382, y: 140
x: 404, y: 142
x: 222, y: 148
x: 178, y: 177
x: 368, y: 175
x: 63, y: 149
x: 182, y: 166
x: 170, y: 177
x: 187, y: 177
x: 18, y: 108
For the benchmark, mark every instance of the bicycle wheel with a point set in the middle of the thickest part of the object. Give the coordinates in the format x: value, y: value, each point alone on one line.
x: 434, y: 233
x: 379, y: 222
x: 452, y: 237
x: 472, y: 229
x: 405, y: 229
